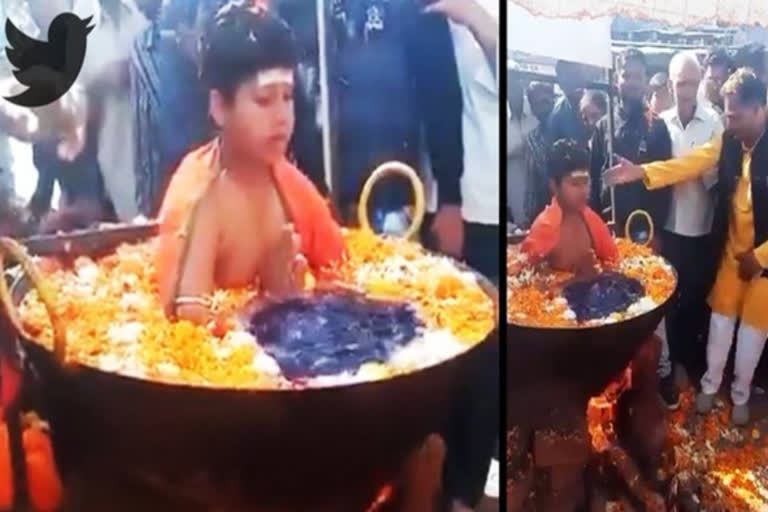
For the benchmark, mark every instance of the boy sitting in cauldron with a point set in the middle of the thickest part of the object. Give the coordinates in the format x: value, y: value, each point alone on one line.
x: 237, y: 212
x: 568, y: 235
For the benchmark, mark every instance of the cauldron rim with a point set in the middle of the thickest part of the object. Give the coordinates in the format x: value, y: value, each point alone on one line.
x: 594, y: 328
x: 487, y: 286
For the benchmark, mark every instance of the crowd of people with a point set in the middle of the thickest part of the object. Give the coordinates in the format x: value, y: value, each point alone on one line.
x: 687, y: 149
x: 405, y: 85
x: 180, y: 100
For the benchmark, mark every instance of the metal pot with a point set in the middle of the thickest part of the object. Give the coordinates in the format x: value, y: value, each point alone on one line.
x: 578, y: 362
x: 291, y: 449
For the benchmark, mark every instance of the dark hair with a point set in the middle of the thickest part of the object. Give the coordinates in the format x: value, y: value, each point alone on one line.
x: 659, y: 80
x: 242, y: 40
x: 596, y: 98
x: 535, y: 87
x: 632, y: 55
x: 751, y: 56
x: 719, y: 58
x: 566, y: 156
x: 747, y: 88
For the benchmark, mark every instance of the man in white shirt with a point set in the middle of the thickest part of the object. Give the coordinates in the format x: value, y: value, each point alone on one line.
x: 99, y: 89
x: 521, y: 124
x: 475, y: 31
x: 474, y: 28
x: 686, y: 235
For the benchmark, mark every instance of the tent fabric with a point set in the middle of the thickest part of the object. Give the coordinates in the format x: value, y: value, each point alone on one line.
x: 553, y: 37
x: 671, y: 12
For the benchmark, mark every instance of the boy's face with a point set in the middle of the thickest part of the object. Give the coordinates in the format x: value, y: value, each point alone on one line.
x: 258, y: 121
x: 572, y: 192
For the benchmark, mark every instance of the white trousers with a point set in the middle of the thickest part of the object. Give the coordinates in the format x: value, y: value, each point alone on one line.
x: 665, y: 365
x: 749, y: 346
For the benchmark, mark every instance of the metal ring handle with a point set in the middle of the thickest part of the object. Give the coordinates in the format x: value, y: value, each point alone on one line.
x: 628, y: 223
x: 391, y: 169
x: 9, y: 248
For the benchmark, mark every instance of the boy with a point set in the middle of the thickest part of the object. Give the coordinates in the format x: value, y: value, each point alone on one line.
x: 568, y: 234
x: 236, y: 212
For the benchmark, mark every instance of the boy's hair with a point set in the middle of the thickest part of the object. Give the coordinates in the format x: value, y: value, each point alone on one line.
x: 566, y: 156
x: 242, y: 40
x: 747, y: 88
x: 632, y: 55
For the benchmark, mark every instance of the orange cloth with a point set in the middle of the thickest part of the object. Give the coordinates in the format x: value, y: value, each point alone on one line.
x: 321, y: 239
x: 545, y: 234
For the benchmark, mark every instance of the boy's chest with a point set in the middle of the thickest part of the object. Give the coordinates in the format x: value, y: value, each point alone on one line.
x: 251, y: 237
x: 573, y: 245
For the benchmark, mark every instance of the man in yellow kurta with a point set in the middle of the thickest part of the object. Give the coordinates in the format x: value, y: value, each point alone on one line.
x: 740, y: 289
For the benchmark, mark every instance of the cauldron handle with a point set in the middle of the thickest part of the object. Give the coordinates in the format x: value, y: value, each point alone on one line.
x: 9, y: 248
x: 389, y: 169
x: 628, y: 223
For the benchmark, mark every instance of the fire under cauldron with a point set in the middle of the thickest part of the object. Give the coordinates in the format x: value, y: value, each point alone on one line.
x: 552, y: 373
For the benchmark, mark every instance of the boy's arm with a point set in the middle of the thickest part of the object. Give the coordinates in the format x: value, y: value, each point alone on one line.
x: 194, y: 275
x: 542, y: 237
x: 605, y: 245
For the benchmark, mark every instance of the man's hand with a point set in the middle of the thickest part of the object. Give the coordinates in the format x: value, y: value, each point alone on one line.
x: 463, y: 12
x: 469, y: 13
x: 749, y: 266
x: 448, y: 228
x: 624, y: 172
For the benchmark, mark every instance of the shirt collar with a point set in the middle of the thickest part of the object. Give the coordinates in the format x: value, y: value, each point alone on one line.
x: 698, y: 113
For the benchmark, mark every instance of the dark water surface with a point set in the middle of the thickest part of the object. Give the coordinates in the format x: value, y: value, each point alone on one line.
x: 603, y: 295
x: 331, y: 333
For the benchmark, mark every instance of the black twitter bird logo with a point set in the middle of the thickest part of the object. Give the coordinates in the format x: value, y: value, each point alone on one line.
x: 50, y: 68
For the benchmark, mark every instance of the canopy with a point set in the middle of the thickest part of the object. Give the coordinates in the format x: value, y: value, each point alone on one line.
x: 587, y: 40
x: 670, y: 12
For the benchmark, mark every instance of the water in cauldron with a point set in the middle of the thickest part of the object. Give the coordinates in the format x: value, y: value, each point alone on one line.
x: 332, y: 333
x: 603, y: 295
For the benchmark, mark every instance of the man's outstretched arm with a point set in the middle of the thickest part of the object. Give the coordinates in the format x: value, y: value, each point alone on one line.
x: 668, y: 172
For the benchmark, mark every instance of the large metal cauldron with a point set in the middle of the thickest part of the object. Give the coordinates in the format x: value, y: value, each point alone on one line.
x: 569, y: 365
x: 332, y: 448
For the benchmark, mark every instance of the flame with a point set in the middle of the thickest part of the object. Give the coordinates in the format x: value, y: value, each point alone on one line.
x: 601, y: 412
x: 10, y: 382
x: 385, y: 494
